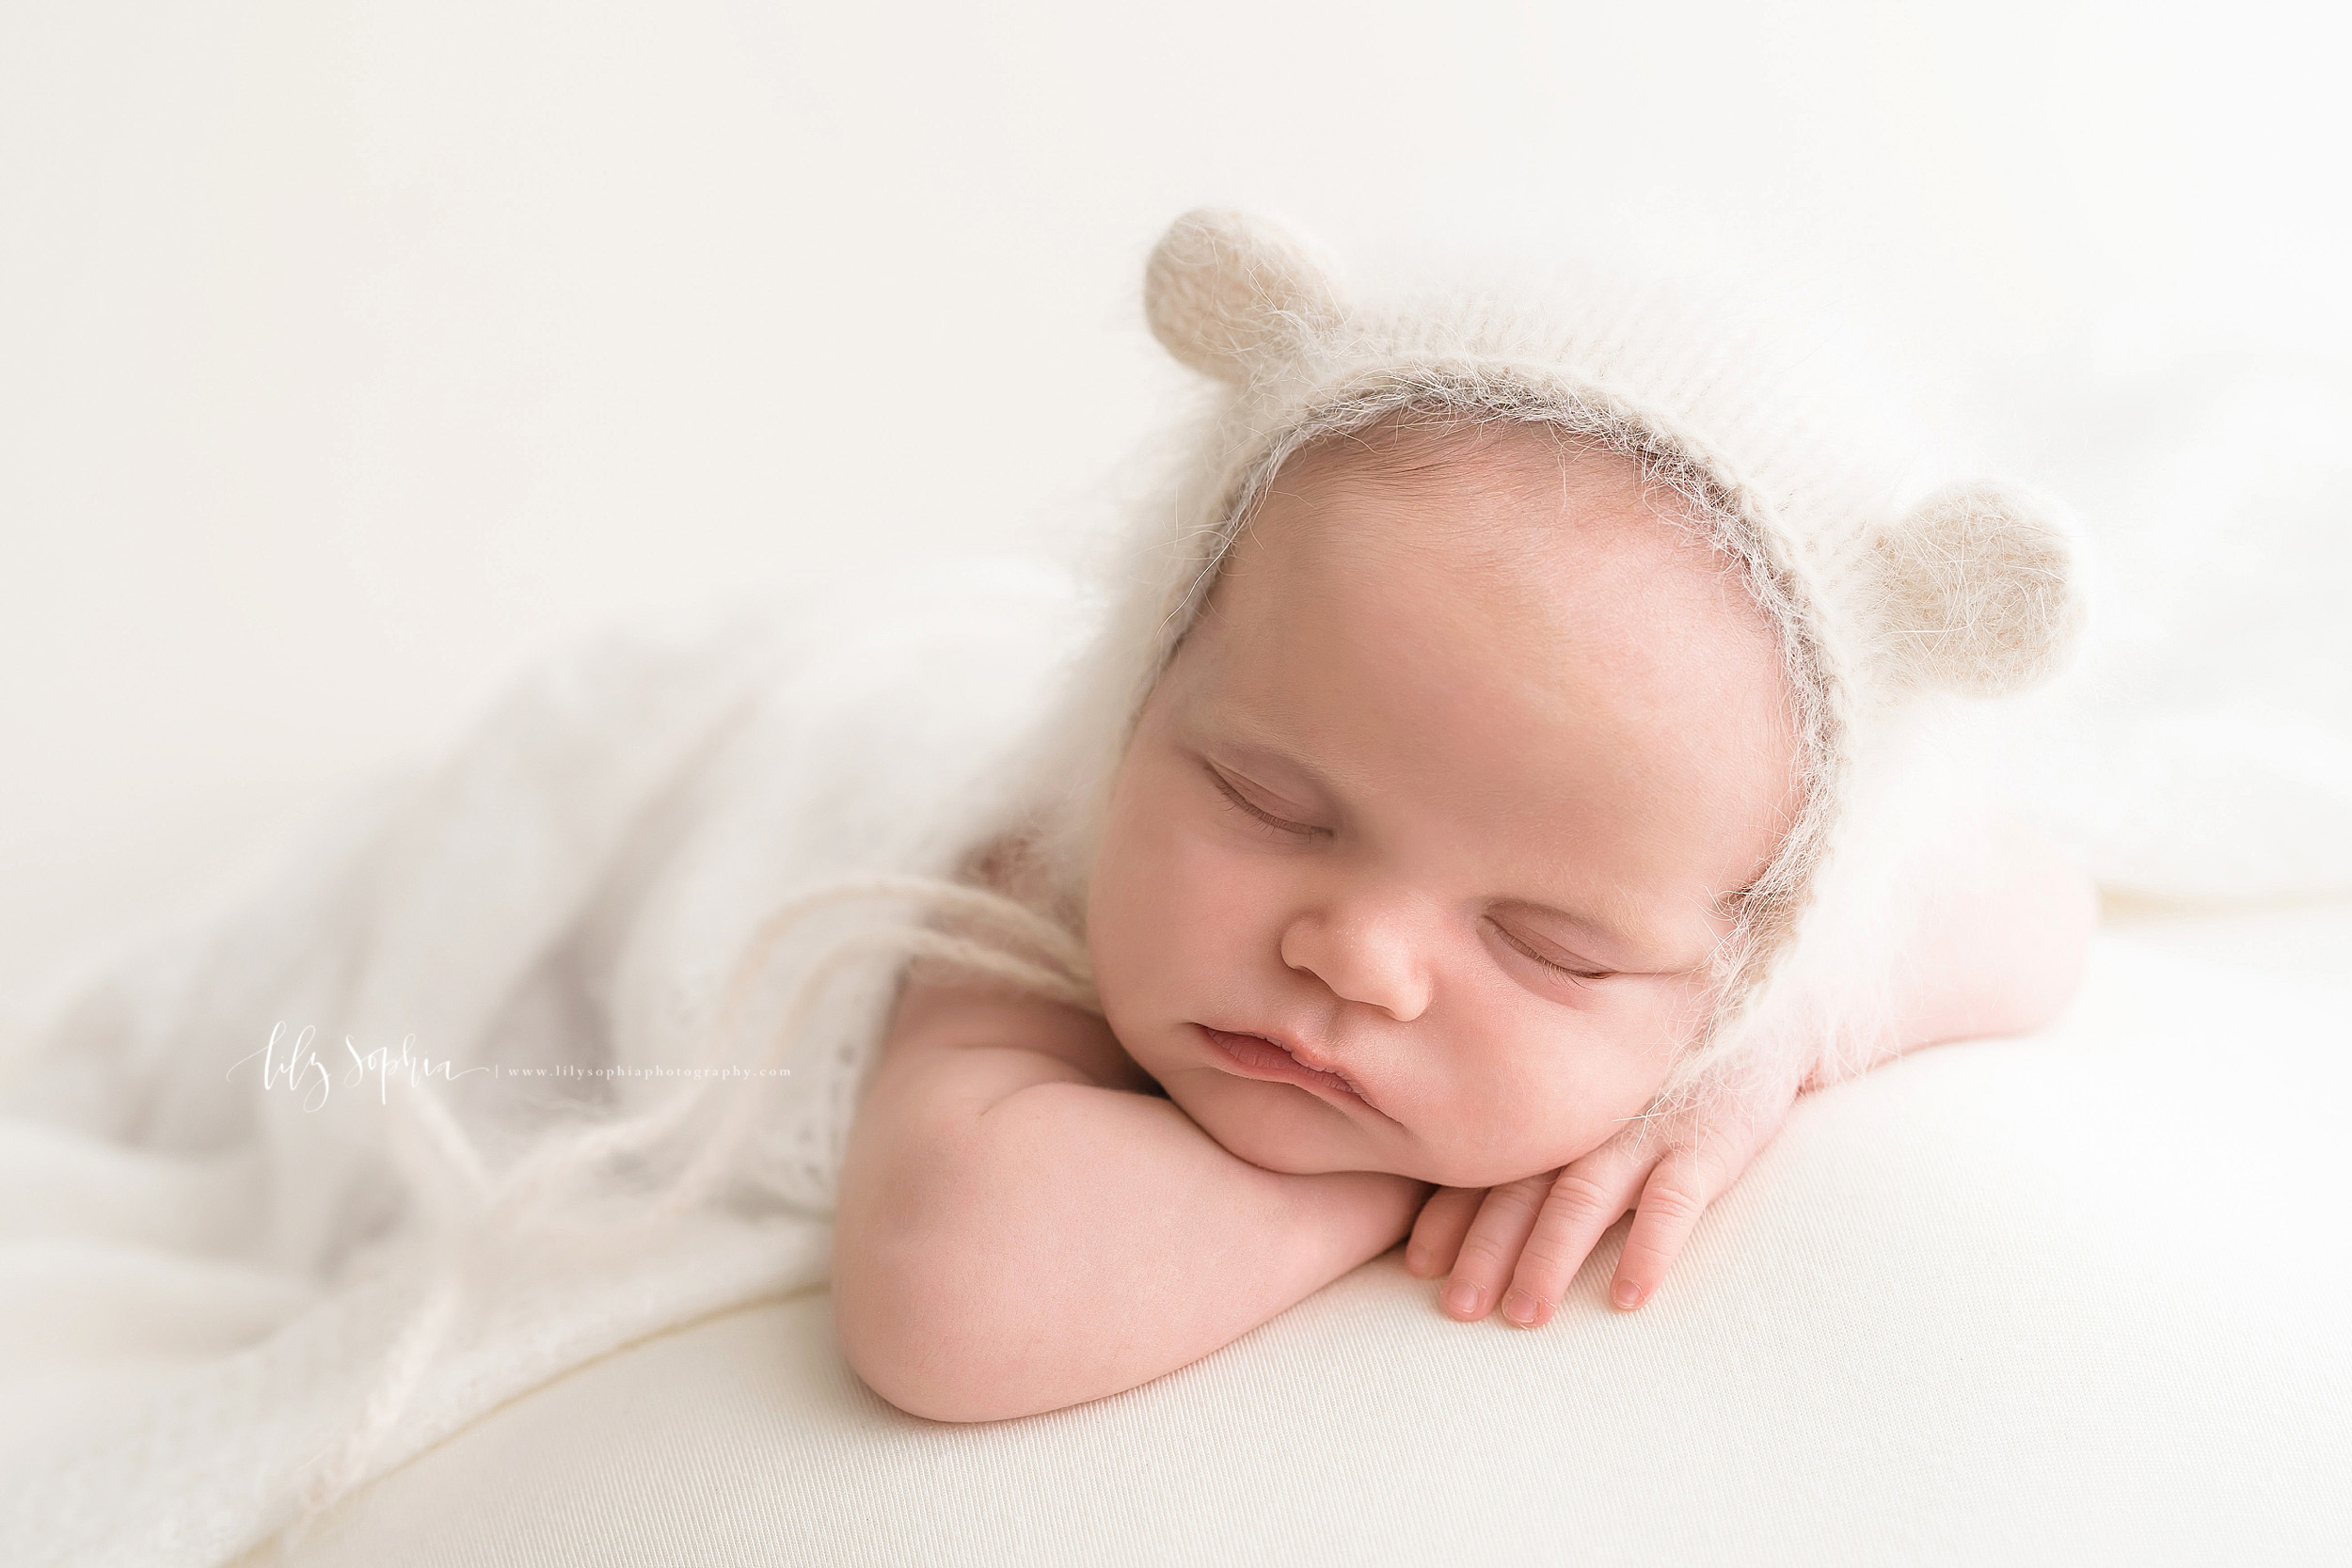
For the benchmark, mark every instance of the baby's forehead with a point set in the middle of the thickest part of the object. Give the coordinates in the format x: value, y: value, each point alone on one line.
x: 1523, y: 520
x: 1513, y: 618
x: 1436, y: 457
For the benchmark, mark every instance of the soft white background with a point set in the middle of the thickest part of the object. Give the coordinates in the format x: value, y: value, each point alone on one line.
x: 351, y: 354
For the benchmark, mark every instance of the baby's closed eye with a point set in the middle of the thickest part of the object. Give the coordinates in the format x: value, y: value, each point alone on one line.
x: 1574, y: 974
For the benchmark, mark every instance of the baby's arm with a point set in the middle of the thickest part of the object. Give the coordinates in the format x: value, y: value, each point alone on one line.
x: 1021, y: 1228
x: 1998, y: 951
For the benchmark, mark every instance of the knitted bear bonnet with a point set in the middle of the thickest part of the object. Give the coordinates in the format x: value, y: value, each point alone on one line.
x: 1886, y: 606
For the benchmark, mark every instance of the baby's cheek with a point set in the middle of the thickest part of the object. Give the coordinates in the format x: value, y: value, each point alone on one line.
x: 1215, y: 902
x: 1476, y: 1126
x: 1158, y: 929
x: 1630, y: 1060
x: 1543, y: 1093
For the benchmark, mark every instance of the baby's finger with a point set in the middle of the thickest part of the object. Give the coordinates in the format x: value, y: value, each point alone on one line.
x: 1436, y: 1238
x: 1583, y: 1202
x: 1674, y: 1197
x: 1493, y: 1247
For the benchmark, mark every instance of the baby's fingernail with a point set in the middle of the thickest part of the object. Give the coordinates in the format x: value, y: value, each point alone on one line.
x: 1520, y: 1308
x: 1628, y: 1293
x: 1462, y: 1297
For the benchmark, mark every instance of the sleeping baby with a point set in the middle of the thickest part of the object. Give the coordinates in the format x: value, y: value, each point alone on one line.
x: 1511, y: 782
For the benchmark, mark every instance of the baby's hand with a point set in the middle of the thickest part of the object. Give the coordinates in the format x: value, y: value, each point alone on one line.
x: 1534, y: 1233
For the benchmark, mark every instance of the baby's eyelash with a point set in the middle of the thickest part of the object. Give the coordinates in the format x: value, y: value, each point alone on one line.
x: 1579, y: 976
x: 1295, y: 829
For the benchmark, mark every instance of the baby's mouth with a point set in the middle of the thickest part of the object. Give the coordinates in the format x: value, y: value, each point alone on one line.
x: 1260, y: 1057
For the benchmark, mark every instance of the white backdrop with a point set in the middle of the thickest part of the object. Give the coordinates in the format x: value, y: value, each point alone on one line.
x: 350, y: 354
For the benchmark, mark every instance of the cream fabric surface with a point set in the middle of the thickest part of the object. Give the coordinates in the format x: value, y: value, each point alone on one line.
x: 1998, y: 1301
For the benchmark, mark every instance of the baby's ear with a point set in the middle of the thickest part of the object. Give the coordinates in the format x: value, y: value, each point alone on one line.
x: 1224, y: 290
x: 1979, y: 590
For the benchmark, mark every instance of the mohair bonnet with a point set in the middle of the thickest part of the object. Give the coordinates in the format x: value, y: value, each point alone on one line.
x: 1887, y: 607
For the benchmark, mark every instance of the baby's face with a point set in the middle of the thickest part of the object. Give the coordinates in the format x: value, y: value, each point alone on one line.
x: 1442, y: 793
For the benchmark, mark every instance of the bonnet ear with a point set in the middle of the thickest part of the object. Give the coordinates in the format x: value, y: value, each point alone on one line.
x: 1224, y: 290
x: 1980, y: 590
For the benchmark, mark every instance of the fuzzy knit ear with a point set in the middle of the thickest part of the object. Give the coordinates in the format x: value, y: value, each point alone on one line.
x: 1224, y: 290
x: 1979, y: 590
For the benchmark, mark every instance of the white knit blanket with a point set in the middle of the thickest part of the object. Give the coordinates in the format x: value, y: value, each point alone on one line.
x: 244, y: 1276
x: 245, y: 1270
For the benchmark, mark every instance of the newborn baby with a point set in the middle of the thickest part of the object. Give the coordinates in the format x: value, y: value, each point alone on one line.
x: 1413, y: 883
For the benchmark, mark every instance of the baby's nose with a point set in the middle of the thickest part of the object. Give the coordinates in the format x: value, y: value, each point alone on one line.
x: 1361, y: 960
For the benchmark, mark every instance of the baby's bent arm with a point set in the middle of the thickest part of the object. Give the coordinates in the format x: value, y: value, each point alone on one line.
x: 1020, y: 1230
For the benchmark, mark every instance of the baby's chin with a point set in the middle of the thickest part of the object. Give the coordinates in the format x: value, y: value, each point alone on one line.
x: 1276, y: 1127
x: 1292, y: 1132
